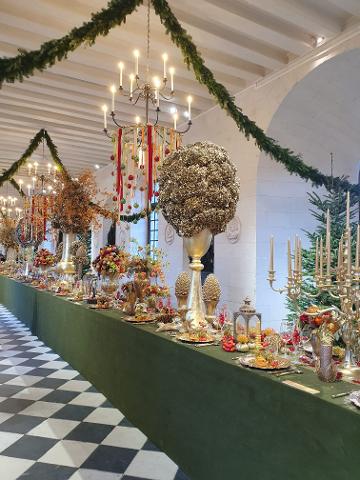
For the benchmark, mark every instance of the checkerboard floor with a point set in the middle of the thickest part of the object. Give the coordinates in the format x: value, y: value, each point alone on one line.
x: 54, y: 425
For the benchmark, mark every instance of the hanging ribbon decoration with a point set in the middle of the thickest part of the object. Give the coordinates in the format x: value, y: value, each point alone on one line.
x: 119, y: 179
x: 44, y: 216
x: 150, y: 162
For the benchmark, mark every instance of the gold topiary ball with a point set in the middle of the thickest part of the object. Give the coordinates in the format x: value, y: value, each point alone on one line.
x: 182, y: 284
x: 211, y: 289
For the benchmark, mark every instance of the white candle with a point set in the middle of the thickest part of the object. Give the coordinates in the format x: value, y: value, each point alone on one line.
x: 189, y: 100
x: 49, y: 168
x: 296, y: 254
x: 29, y: 168
x: 340, y: 253
x: 104, y: 109
x: 289, y: 260
x: 36, y: 166
x: 20, y: 182
x: 317, y: 257
x: 165, y: 59
x: 357, y: 247
x: 172, y: 71
x: 121, y: 68
x: 33, y: 182
x: 321, y: 257
x: 328, y: 243
x: 271, y: 266
x: 175, y: 117
x: 136, y: 55
x: 113, y: 91
x: 348, y: 210
x: 29, y: 190
x: 132, y: 77
x: 349, y: 253
x: 300, y: 257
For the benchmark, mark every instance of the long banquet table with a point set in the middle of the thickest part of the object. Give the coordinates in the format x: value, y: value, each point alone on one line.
x: 216, y: 420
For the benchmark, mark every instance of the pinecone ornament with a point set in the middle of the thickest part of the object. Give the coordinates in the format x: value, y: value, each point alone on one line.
x: 211, y: 294
x: 182, y: 288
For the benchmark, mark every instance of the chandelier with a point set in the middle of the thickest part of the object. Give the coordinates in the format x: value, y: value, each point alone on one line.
x: 140, y: 146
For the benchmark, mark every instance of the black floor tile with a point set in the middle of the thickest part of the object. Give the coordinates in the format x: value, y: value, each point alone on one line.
x: 110, y: 459
x: 46, y: 471
x: 73, y: 412
x: 5, y: 377
x: 53, y: 383
x: 89, y: 432
x: 26, y: 354
x: 33, y: 363
x: 60, y: 396
x: 29, y: 447
x: 125, y: 423
x: 180, y: 475
x: 150, y: 446
x: 41, y: 372
x: 14, y: 405
x: 20, y: 423
x: 107, y: 404
x: 9, y: 390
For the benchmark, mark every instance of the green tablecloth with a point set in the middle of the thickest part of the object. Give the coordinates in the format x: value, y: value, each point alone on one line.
x: 215, y: 419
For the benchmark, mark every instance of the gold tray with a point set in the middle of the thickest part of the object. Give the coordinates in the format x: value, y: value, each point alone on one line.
x: 139, y: 322
x: 186, y: 338
x: 283, y: 363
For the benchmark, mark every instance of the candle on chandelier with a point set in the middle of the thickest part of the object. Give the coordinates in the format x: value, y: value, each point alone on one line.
x: 271, y: 266
x: 29, y: 165
x: 328, y: 243
x: 33, y: 182
x: 113, y: 91
x: 349, y: 252
x: 29, y: 190
x: 157, y: 84
x: 296, y: 254
x: 20, y: 182
x: 172, y: 71
x: 189, y: 100
x: 49, y: 168
x: 289, y: 259
x: 132, y: 77
x: 36, y: 167
x: 121, y: 68
x: 165, y: 59
x: 136, y: 55
x: 348, y: 211
x: 175, y: 117
x: 340, y: 253
x: 104, y: 109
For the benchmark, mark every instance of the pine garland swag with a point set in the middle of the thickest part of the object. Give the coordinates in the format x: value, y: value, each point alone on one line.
x: 26, y: 63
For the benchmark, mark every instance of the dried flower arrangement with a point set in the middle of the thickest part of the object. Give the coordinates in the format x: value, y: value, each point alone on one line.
x: 74, y: 211
x: 7, y: 233
x: 198, y: 189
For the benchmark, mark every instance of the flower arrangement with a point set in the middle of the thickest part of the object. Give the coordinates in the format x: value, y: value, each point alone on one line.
x: 111, y: 260
x: 73, y: 210
x: 7, y: 233
x: 315, y: 318
x: 198, y: 189
x: 44, y: 258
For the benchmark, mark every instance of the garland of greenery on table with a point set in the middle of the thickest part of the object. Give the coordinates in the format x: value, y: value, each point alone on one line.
x: 26, y: 63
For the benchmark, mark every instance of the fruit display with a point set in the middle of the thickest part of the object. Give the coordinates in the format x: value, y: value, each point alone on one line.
x: 44, y: 259
x: 228, y: 343
x: 199, y: 335
x: 111, y: 260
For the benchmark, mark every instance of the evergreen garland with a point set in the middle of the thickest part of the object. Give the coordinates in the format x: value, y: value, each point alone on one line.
x: 26, y: 63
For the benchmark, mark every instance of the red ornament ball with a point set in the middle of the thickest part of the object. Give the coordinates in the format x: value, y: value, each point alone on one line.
x: 142, y: 189
x: 129, y: 185
x: 112, y: 173
x: 129, y: 207
x: 156, y: 194
x: 167, y: 151
x: 131, y: 177
x: 112, y: 157
x: 157, y: 158
x: 114, y: 198
x: 142, y: 167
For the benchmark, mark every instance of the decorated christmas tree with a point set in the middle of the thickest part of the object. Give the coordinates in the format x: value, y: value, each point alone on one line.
x: 334, y: 201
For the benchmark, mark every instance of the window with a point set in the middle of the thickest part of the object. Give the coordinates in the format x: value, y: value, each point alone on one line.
x: 153, y: 229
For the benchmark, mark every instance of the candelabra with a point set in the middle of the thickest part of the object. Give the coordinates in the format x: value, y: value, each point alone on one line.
x: 341, y: 283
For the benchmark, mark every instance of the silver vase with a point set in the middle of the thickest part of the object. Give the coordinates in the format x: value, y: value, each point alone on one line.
x: 66, y: 265
x: 196, y: 247
x: 325, y: 366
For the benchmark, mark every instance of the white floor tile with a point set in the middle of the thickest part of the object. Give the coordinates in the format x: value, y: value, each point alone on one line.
x: 42, y: 409
x: 46, y: 356
x: 84, y: 474
x: 64, y: 374
x: 24, y: 380
x: 75, y: 386
x: 33, y: 393
x: 68, y: 453
x: 125, y: 437
x: 89, y: 399
x: 12, y: 468
x: 13, y: 361
x: 33, y: 343
x: 54, y: 428
x: 9, y: 353
x: 7, y: 439
x: 152, y: 465
x: 105, y: 416
x: 5, y: 416
x: 18, y: 370
x: 40, y: 350
x: 55, y: 365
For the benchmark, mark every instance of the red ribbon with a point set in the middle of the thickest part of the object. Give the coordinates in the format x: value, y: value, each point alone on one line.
x: 119, y: 182
x: 150, y: 162
x: 45, y: 211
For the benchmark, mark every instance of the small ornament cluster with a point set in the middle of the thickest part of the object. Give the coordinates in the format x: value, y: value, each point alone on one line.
x: 44, y: 258
x: 111, y: 260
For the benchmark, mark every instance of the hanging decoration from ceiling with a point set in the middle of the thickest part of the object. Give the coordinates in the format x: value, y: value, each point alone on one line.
x: 27, y: 63
x: 141, y: 146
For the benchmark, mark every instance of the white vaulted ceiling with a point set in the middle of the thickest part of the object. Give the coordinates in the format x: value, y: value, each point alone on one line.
x: 241, y: 40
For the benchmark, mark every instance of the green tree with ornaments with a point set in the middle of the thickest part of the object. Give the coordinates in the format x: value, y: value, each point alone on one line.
x: 333, y: 200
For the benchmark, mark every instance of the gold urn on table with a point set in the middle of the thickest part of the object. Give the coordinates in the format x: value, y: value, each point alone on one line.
x: 66, y: 265
x: 211, y: 296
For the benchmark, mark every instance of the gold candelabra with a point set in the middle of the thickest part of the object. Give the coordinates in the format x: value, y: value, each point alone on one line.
x: 341, y: 283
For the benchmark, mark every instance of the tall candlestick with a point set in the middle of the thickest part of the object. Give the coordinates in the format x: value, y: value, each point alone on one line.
x: 349, y: 253
x: 328, y: 243
x: 289, y: 260
x: 121, y: 68
x: 340, y: 253
x: 271, y: 266
x: 113, y: 91
x: 321, y: 257
x: 171, y: 71
x: 175, y: 117
x: 136, y: 55
x: 104, y: 109
x: 348, y: 210
x: 132, y: 77
x: 357, y: 255
x: 165, y: 59
x: 317, y: 257
x: 189, y: 100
